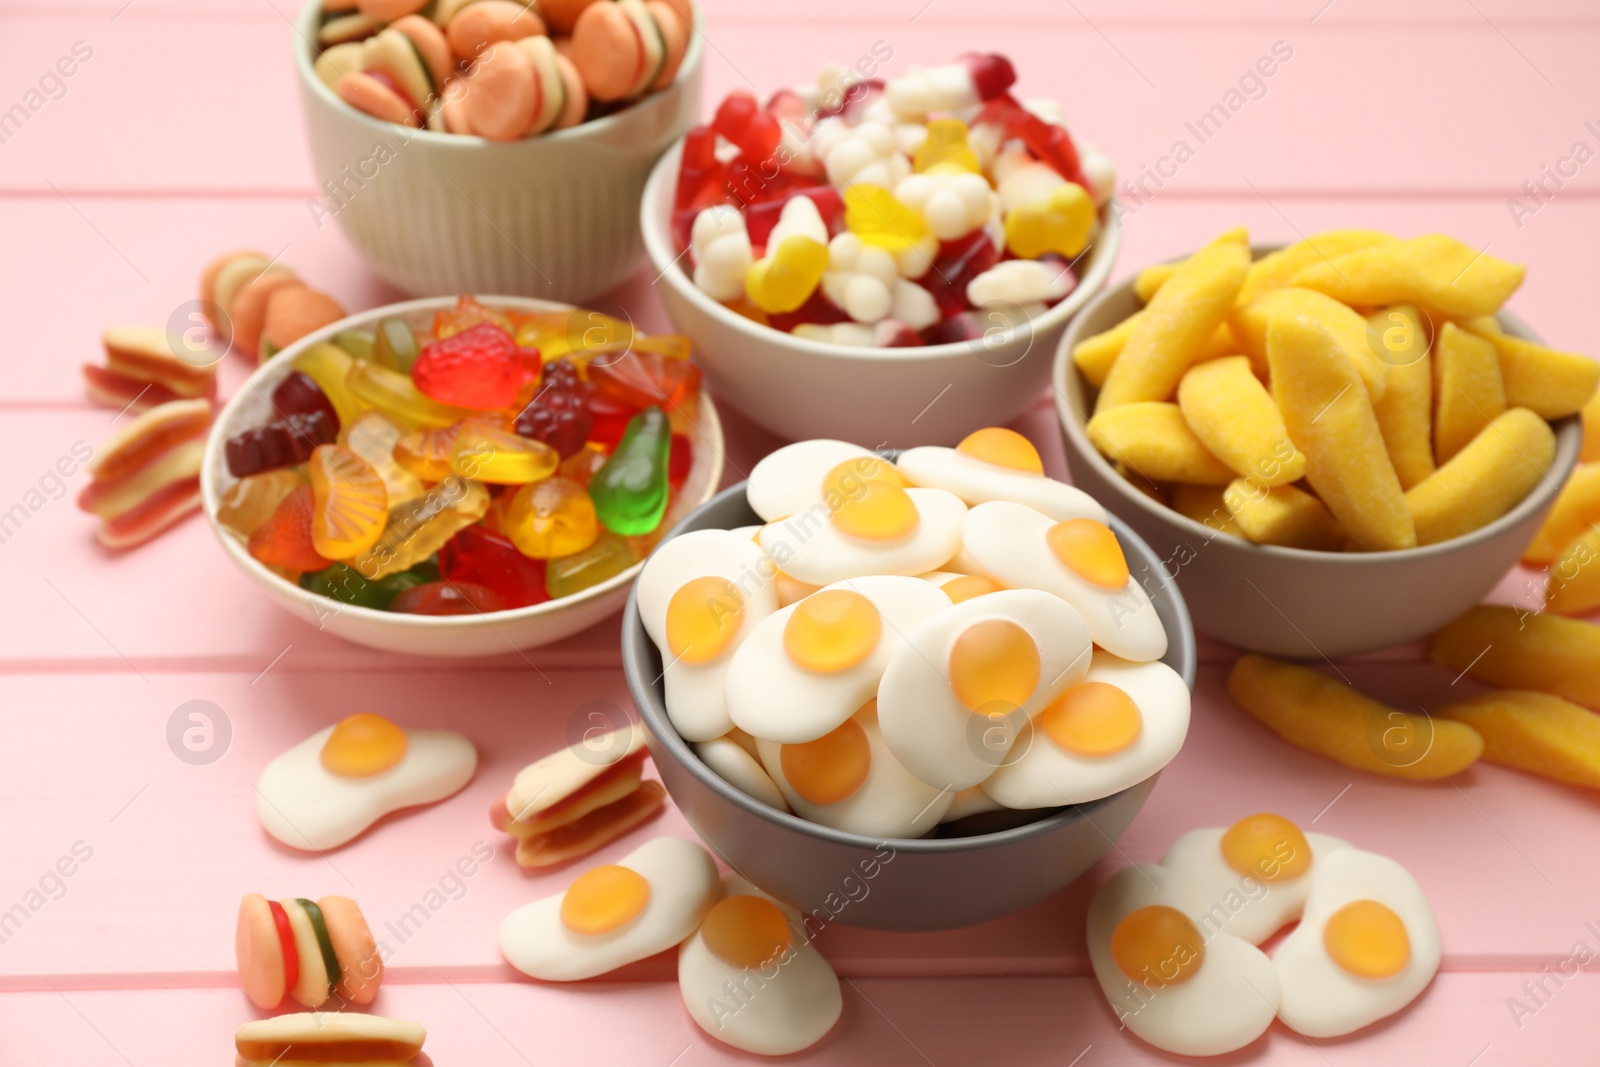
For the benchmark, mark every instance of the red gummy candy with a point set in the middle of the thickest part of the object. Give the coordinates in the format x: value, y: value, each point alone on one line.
x: 611, y: 417
x: 478, y: 557
x: 761, y: 183
x: 701, y: 182
x: 959, y: 262
x: 645, y: 379
x: 281, y: 443
x: 817, y: 309
x: 742, y: 121
x: 1048, y: 142
x: 992, y: 74
x: 298, y: 394
x: 761, y: 218
x: 284, y: 540
x: 447, y: 598
x: 680, y: 457
x: 559, y: 414
x: 478, y: 368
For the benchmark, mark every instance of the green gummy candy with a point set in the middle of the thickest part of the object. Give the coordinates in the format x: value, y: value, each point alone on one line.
x: 630, y: 489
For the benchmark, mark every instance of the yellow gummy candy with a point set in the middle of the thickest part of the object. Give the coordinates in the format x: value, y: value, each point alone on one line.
x: 1316, y: 713
x: 1331, y: 420
x: 1093, y: 356
x: 1061, y: 222
x: 1176, y: 325
x: 1551, y: 382
x: 785, y: 278
x: 872, y: 213
x: 1486, y: 479
x: 1249, y: 323
x: 1574, y: 583
x: 1591, y: 430
x: 1152, y: 439
x: 1151, y: 279
x: 1535, y: 732
x: 1468, y: 392
x: 1405, y: 413
x: 1436, y: 271
x: 1204, y: 504
x: 945, y: 150
x: 1232, y: 414
x: 1278, y: 269
x: 1576, y: 509
x: 1286, y: 516
x: 1515, y: 649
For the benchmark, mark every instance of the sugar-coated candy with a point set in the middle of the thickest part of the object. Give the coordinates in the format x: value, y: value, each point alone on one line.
x: 447, y: 598
x: 477, y: 369
x: 249, y: 502
x: 373, y: 438
x: 1577, y: 508
x: 796, y: 258
x: 281, y: 443
x: 1233, y: 415
x: 861, y: 278
x: 1485, y: 479
x: 559, y: 414
x: 1336, y: 428
x: 608, y: 557
x: 553, y: 517
x: 951, y: 203
x: 488, y: 452
x: 328, y: 367
x: 1281, y: 515
x: 643, y: 378
x: 951, y: 87
x: 1515, y: 649
x: 491, y: 561
x: 298, y: 394
x: 1405, y: 412
x: 630, y: 490
x: 1276, y: 270
x: 1549, y: 382
x: 1468, y: 391
x: 351, y: 504
x: 1319, y: 714
x: 1535, y: 732
x: 146, y: 477
x: 873, y: 214
x: 397, y: 396
x: 1152, y: 439
x: 1016, y: 282
x: 1437, y: 272
x: 1060, y: 222
x: 347, y: 585
x: 284, y: 539
x: 722, y: 252
x: 1249, y: 322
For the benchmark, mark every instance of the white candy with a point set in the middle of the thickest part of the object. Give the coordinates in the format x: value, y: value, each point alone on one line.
x: 860, y: 278
x: 953, y: 205
x: 913, y: 305
x: 800, y: 218
x: 1098, y: 171
x: 722, y: 252
x: 865, y: 154
x: 852, y: 334
x: 925, y: 89
x: 1020, y: 179
x: 1019, y: 281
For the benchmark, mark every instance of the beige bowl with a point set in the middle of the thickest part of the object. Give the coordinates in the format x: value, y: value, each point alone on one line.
x: 490, y: 634
x: 899, y: 397
x: 554, y: 216
x: 1287, y: 601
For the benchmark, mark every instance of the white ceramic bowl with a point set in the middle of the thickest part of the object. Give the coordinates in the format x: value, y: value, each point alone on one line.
x: 1289, y: 601
x: 554, y: 216
x: 490, y: 634
x: 899, y: 397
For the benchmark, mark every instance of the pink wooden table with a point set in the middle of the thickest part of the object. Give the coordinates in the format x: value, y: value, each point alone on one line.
x: 180, y: 136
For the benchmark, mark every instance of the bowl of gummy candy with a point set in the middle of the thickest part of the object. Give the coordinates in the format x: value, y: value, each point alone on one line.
x: 908, y: 692
x: 490, y: 145
x: 452, y: 477
x: 897, y: 255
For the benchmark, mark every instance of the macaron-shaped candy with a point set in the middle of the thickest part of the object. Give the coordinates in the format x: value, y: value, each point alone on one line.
x: 389, y: 10
x: 334, y: 63
x: 431, y: 45
x: 221, y: 279
x: 248, y: 311
x: 502, y: 94
x: 472, y: 29
x: 392, y: 53
x: 263, y: 944
x: 675, y: 30
x: 575, y: 99
x: 549, y: 91
x: 319, y: 966
x: 620, y: 49
x: 328, y: 1037
x: 378, y: 97
x: 562, y: 15
x: 292, y: 312
x: 360, y: 964
x: 346, y: 29
x: 273, y: 937
x: 453, y: 107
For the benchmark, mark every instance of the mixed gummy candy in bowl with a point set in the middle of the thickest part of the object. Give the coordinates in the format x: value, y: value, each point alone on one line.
x: 889, y: 213
x: 479, y: 459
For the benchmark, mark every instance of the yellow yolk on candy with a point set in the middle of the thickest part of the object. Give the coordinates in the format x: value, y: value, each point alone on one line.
x: 1090, y: 550
x: 866, y: 497
x: 1367, y: 939
x: 968, y: 586
x: 703, y: 618
x: 994, y: 666
x: 1003, y: 448
x: 1266, y: 846
x: 362, y: 745
x: 832, y: 767
x: 1157, y: 946
x: 1092, y: 719
x: 603, y: 899
x: 746, y: 932
x: 832, y: 631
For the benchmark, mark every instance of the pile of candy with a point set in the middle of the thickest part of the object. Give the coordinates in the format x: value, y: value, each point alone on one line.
x: 888, y: 214
x: 1351, y: 391
x: 495, y: 68
x: 495, y: 460
x: 909, y: 644
x: 1174, y: 944
x: 1569, y: 541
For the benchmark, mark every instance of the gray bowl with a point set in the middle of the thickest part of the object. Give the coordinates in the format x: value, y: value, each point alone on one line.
x: 1289, y: 601
x: 980, y: 868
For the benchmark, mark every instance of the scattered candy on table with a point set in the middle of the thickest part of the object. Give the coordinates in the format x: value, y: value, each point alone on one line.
x: 498, y: 69
x: 833, y: 662
x: 317, y: 1038
x: 310, y: 951
x: 492, y: 461
x: 1350, y: 391
x: 876, y: 214
x: 143, y: 371
x: 331, y: 787
x: 260, y: 306
x: 146, y: 477
x: 1173, y: 945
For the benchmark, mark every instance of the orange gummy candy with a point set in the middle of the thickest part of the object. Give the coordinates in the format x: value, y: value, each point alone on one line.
x: 351, y: 506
